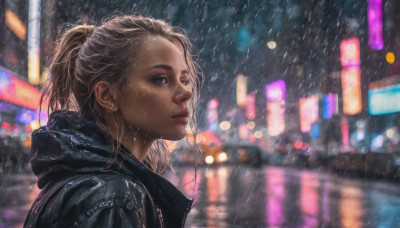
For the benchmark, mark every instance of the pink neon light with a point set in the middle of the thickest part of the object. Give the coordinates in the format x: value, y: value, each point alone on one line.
x: 251, y: 106
x: 375, y: 24
x: 276, y: 91
x: 350, y: 52
x: 345, y: 131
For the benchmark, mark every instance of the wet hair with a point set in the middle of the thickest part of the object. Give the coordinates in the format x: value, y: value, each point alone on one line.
x: 87, y: 54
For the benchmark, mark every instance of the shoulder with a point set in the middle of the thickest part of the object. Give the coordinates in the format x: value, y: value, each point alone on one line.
x: 85, y: 196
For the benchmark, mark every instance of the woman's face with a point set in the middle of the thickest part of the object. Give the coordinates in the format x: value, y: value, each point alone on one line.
x: 154, y: 100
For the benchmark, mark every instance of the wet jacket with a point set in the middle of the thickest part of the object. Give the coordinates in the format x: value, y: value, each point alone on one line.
x: 70, y: 156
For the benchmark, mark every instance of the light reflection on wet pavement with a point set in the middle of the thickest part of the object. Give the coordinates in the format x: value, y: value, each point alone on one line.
x: 248, y: 197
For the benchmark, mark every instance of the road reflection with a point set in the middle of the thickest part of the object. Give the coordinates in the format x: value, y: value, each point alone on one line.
x: 242, y: 196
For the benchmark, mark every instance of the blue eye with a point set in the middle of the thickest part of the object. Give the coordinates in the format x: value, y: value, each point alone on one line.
x: 161, y: 80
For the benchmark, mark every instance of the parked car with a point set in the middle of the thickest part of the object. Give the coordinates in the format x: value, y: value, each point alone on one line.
x: 247, y: 154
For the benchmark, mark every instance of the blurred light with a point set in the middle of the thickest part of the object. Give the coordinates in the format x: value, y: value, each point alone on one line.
x: 350, y: 52
x: 351, y: 87
x: 45, y: 76
x: 212, y: 113
x: 6, y: 126
x: 241, y: 91
x: 390, y: 57
x: 35, y: 125
x: 16, y: 91
x: 243, y: 131
x: 330, y: 102
x: 276, y: 91
x: 15, y: 24
x: 222, y: 172
x: 222, y: 157
x: 276, y: 117
x: 258, y: 134
x: 225, y: 125
x: 28, y: 128
x: 298, y: 144
x: 34, y: 42
x: 344, y: 127
x: 375, y: 27
x: 251, y: 107
x: 251, y: 125
x: 271, y: 44
x: 22, y: 137
x: 304, y: 146
x: 390, y: 133
x: 384, y: 96
x: 308, y: 112
x: 209, y: 159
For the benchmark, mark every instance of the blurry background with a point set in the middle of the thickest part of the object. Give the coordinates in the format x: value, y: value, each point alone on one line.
x: 299, y: 84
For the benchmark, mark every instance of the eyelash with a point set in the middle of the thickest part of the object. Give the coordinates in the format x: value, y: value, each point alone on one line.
x: 165, y: 80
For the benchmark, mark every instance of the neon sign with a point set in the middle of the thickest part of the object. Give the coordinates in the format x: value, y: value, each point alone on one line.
x: 16, y: 91
x: 308, y: 112
x: 350, y: 52
x: 375, y: 28
x: 351, y: 86
x: 241, y: 91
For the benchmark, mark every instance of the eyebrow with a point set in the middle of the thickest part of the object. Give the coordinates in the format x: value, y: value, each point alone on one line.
x: 166, y: 67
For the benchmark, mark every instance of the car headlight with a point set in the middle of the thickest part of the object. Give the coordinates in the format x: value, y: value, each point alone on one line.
x: 209, y: 159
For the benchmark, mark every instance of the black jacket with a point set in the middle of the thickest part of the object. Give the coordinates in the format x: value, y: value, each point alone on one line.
x: 69, y: 156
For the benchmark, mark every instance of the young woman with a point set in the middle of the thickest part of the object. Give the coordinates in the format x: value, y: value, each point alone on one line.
x: 116, y: 91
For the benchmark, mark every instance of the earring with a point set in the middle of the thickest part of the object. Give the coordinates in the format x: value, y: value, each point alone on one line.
x: 112, y: 106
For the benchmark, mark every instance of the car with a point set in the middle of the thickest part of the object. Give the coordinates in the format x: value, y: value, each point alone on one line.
x: 243, y: 154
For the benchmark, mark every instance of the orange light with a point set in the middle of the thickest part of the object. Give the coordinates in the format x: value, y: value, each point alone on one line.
x: 241, y: 91
x: 15, y: 24
x: 390, y: 57
x: 351, y: 87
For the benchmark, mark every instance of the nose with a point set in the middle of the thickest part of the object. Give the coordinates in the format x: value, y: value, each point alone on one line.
x: 182, y: 96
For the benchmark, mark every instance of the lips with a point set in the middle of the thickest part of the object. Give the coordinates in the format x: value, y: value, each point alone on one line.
x: 183, y: 114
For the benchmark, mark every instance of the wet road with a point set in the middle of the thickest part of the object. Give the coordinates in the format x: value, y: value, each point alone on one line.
x: 249, y: 197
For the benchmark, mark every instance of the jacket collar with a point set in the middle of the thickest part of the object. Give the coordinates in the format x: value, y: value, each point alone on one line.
x: 70, y: 145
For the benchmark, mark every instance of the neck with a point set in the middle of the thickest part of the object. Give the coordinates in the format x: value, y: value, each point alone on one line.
x: 137, y: 144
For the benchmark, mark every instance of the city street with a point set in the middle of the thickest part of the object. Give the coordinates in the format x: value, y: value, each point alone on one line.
x: 242, y: 196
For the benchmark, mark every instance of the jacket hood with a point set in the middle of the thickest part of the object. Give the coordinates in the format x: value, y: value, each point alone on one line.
x: 70, y: 145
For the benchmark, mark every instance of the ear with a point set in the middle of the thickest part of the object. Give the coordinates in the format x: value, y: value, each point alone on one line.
x: 106, y: 96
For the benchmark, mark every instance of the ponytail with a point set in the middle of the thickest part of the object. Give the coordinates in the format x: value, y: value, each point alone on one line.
x: 62, y: 68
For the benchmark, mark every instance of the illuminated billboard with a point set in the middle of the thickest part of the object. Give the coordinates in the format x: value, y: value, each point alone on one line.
x: 276, y: 117
x: 34, y: 42
x: 308, y: 112
x: 351, y: 87
x: 375, y: 28
x: 330, y: 103
x: 16, y: 91
x: 251, y: 106
x: 275, y: 94
x: 350, y: 52
x: 384, y: 96
x: 241, y: 91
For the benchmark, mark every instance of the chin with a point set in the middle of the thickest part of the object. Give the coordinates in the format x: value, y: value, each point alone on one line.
x: 176, y: 137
